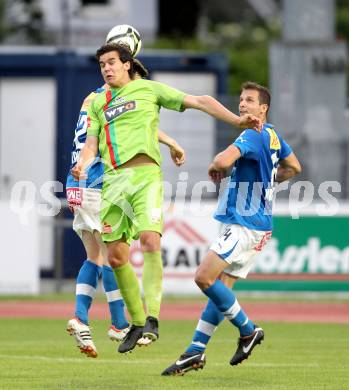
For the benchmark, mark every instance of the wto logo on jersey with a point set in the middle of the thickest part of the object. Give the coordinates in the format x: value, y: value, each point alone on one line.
x: 116, y: 111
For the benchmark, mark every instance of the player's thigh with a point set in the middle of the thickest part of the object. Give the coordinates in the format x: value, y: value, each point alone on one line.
x: 115, y: 221
x: 102, y: 246
x: 147, y: 201
x: 117, y: 213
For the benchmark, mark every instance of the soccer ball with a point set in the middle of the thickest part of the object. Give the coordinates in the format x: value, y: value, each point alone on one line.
x: 123, y: 33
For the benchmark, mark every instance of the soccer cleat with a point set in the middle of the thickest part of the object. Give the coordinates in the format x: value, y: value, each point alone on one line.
x: 246, y: 345
x: 83, y: 338
x: 130, y: 341
x: 150, y: 331
x: 116, y: 334
x: 185, y: 363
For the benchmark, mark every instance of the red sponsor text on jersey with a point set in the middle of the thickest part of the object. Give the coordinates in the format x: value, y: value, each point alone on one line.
x: 263, y: 241
x: 74, y: 196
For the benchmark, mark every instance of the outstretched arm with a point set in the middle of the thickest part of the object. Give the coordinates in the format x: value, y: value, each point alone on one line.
x: 288, y: 168
x: 176, y: 151
x: 87, y: 155
x: 212, y: 107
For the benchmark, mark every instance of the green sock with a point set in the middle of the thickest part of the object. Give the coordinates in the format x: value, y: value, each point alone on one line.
x: 131, y: 293
x: 152, y: 282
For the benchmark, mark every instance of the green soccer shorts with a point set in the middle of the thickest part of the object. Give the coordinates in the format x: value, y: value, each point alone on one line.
x: 131, y: 202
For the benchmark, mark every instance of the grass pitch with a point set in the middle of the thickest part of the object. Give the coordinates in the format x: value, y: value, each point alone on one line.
x: 38, y: 354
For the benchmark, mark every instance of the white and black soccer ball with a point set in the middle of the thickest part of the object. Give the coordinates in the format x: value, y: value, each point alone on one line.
x: 123, y: 33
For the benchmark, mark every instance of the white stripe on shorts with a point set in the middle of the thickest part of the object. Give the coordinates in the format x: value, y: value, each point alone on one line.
x: 85, y: 289
x: 206, y: 327
x: 233, y: 311
x: 114, y: 295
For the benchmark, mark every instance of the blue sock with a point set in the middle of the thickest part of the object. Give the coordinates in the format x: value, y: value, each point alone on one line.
x: 211, y: 317
x: 86, y: 284
x: 226, y: 302
x: 115, y: 301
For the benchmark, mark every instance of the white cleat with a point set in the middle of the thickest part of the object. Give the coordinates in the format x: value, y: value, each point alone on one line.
x: 83, y: 338
x: 116, y: 334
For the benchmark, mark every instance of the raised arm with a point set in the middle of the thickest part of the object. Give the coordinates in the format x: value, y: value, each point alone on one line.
x: 288, y: 168
x: 176, y: 151
x: 212, y: 107
x: 87, y: 155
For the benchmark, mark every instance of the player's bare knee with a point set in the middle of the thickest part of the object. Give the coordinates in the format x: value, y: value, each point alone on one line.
x: 202, y: 280
x: 116, y: 257
x: 115, y: 261
x: 150, y: 242
x: 118, y: 253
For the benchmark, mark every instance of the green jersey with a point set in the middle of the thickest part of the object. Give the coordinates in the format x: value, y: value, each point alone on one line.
x: 126, y: 120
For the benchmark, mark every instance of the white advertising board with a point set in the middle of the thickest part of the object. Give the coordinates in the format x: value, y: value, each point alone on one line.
x: 19, y: 260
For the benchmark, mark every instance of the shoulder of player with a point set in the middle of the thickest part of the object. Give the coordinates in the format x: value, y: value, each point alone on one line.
x: 250, y: 134
x: 270, y: 129
x: 249, y: 141
x: 155, y: 85
x: 98, y: 100
x: 151, y: 87
x: 151, y: 84
x: 136, y: 86
x: 92, y: 96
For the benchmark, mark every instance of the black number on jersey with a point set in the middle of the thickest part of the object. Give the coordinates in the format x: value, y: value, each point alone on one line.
x: 226, y: 234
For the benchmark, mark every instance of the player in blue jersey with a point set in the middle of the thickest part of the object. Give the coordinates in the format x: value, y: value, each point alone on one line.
x: 258, y: 160
x: 84, y: 200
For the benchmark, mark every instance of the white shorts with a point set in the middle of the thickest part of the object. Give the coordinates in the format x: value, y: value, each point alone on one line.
x: 86, y: 203
x: 238, y: 245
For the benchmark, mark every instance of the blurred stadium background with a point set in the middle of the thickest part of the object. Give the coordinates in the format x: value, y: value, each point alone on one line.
x: 298, y: 290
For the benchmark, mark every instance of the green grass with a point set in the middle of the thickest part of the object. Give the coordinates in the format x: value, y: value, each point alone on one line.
x: 243, y: 296
x: 37, y: 354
